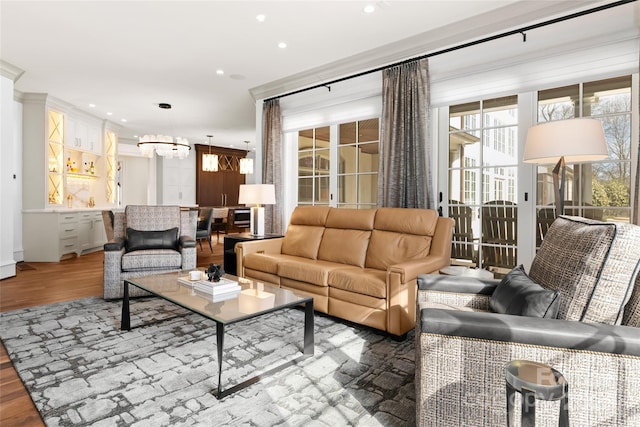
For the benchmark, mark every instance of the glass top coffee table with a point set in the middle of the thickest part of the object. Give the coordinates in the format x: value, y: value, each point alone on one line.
x: 252, y: 300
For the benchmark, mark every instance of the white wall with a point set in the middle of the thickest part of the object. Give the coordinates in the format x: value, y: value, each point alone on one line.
x: 134, y: 180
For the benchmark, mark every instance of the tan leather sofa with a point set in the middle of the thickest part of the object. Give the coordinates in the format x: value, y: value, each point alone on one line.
x: 359, y: 265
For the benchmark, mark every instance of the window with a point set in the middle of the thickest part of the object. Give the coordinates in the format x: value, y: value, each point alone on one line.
x: 358, y: 164
x: 313, y: 166
x: 356, y: 169
x: 600, y: 190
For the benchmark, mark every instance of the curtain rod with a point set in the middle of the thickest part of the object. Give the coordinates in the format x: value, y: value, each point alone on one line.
x: 522, y: 31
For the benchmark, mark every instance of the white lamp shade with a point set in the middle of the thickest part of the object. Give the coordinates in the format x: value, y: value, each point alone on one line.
x: 257, y: 194
x: 577, y: 140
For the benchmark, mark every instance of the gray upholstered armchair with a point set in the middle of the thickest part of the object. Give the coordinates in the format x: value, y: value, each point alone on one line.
x: 147, y: 240
x: 462, y: 347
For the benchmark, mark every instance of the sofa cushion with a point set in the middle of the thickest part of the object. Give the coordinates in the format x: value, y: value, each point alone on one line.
x: 138, y: 240
x: 351, y: 219
x: 519, y: 295
x: 148, y: 217
x: 362, y: 281
x: 302, y: 241
x: 267, y: 263
x: 310, y: 215
x: 315, y: 272
x: 632, y: 309
x: 161, y: 259
x: 420, y: 222
x: 344, y: 246
x: 591, y: 264
x: 389, y: 248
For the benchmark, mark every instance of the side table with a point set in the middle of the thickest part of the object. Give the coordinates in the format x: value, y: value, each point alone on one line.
x: 458, y: 270
x: 230, y: 240
x: 533, y: 381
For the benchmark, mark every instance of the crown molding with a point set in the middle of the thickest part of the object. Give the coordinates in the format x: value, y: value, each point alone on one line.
x: 10, y: 71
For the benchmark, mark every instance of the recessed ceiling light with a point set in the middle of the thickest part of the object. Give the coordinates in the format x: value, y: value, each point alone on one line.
x: 219, y: 72
x: 109, y: 113
x: 92, y: 105
x: 123, y: 120
x: 282, y: 45
x: 369, y: 8
x: 260, y: 18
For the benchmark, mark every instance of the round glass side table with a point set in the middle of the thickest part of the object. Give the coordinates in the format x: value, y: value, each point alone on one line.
x: 459, y: 270
x: 535, y: 381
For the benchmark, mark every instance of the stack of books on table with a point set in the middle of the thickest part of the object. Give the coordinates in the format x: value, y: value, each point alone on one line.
x: 220, y: 291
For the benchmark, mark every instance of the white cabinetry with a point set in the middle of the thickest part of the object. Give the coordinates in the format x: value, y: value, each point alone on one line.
x: 91, y: 232
x: 67, y: 233
x: 83, y: 135
x: 93, y: 141
x: 49, y: 236
x: 55, y: 197
x: 63, y: 156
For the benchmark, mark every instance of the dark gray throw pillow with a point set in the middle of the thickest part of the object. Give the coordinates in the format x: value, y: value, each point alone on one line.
x: 518, y: 294
x: 139, y: 240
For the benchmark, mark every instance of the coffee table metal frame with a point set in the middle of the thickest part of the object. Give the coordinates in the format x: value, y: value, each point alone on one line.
x: 221, y: 323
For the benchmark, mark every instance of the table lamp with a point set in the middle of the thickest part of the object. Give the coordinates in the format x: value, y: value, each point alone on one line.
x: 257, y: 194
x: 571, y: 140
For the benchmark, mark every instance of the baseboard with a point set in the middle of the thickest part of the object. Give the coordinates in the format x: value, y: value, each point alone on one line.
x: 7, y: 269
x: 18, y: 256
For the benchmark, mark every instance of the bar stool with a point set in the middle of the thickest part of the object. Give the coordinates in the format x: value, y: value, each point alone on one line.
x: 535, y: 381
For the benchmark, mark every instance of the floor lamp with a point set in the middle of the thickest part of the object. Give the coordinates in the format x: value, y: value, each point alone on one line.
x: 571, y: 140
x: 257, y: 194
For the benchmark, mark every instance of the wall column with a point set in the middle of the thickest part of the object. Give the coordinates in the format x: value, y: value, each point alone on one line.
x: 9, y: 172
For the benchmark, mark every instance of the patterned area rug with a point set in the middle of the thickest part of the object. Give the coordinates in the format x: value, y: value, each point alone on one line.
x: 80, y: 369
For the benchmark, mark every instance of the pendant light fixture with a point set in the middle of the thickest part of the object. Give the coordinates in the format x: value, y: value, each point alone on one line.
x: 164, y: 145
x: 246, y: 164
x: 210, y: 161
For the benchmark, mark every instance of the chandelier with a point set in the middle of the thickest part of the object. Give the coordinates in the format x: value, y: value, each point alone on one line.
x: 164, y: 145
x: 210, y: 161
x: 246, y: 164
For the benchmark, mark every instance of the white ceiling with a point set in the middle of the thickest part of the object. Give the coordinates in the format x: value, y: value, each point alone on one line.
x: 127, y: 56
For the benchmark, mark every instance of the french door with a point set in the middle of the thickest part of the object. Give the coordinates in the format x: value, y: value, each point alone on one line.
x: 482, y: 167
x: 338, y: 164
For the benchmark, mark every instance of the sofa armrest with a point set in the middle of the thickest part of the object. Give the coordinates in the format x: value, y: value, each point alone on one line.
x: 267, y: 246
x: 456, y: 284
x: 186, y: 242
x: 455, y: 291
x: 535, y: 331
x: 410, y: 270
x: 116, y: 244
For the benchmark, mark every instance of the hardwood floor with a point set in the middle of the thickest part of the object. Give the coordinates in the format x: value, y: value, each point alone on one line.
x: 40, y: 283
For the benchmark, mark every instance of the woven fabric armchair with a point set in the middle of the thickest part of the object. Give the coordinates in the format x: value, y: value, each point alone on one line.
x: 462, y: 348
x: 147, y: 240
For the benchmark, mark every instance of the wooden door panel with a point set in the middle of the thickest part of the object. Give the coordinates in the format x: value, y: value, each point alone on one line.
x: 219, y: 188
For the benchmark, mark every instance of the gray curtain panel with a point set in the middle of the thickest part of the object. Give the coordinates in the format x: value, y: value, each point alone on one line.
x: 404, y: 178
x: 272, y: 162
